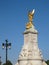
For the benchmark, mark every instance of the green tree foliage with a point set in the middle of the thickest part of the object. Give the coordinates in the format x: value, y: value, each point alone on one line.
x: 8, y: 63
x: 47, y: 62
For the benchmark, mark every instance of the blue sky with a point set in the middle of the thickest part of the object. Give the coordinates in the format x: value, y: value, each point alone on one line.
x: 13, y: 18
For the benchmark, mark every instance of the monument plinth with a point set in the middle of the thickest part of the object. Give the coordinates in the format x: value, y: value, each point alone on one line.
x: 30, y: 53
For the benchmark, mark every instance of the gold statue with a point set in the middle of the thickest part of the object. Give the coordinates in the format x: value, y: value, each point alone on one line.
x: 30, y: 16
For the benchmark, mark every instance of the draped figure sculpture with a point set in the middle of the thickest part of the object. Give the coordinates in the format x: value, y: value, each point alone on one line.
x: 30, y: 16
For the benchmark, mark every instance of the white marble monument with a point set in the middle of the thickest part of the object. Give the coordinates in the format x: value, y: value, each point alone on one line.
x: 30, y: 53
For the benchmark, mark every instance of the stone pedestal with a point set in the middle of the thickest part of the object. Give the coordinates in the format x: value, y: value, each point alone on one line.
x: 30, y: 53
